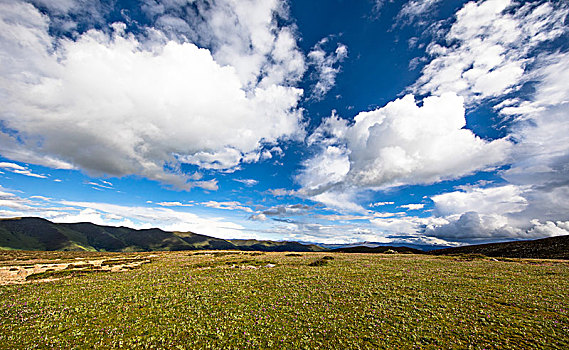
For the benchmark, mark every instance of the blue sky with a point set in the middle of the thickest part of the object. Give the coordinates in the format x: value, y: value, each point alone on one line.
x: 407, y: 122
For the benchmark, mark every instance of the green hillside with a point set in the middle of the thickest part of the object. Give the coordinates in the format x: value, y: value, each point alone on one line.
x: 40, y: 234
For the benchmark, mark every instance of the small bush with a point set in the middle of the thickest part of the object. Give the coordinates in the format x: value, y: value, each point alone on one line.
x: 256, y: 253
x: 319, y: 262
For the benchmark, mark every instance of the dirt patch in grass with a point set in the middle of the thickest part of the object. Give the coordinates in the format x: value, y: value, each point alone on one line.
x: 17, y: 274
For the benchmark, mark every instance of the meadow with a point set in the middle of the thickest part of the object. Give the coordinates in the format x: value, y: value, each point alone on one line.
x: 249, y: 300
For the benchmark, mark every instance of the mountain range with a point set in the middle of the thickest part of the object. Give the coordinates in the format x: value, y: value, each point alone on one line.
x: 545, y: 248
x: 31, y: 233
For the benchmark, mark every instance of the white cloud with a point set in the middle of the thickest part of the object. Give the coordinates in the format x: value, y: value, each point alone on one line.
x: 503, y: 212
x: 344, y: 217
x: 18, y: 169
x: 413, y: 12
x: 342, y: 199
x: 258, y: 217
x: 174, y: 204
x: 405, y: 225
x: 330, y: 166
x: 247, y: 182
x: 278, y: 192
x: 412, y: 206
x: 284, y: 210
x: 378, y: 204
x: 326, y: 66
x: 227, y: 206
x: 96, y: 217
x: 472, y: 226
x: 542, y: 152
x: 549, y: 228
x: 47, y: 199
x: 15, y: 203
x: 98, y: 185
x: 164, y: 218
x: 242, y: 34
x: 400, y: 143
x: 4, y: 195
x: 487, y: 49
x: 487, y: 42
x: 383, y: 231
x: 11, y: 166
x: 29, y: 173
x: 492, y: 200
x: 112, y: 103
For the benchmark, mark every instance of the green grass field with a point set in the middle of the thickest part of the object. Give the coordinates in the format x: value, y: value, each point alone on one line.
x: 187, y: 300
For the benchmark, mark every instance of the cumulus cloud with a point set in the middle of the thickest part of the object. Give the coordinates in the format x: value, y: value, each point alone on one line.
x: 500, y: 200
x: 473, y: 226
x: 400, y: 143
x: 549, y: 228
x: 243, y: 34
x: 112, y: 103
x: 502, y: 212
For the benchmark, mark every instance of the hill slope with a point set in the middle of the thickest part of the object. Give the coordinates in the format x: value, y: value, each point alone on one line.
x: 546, y: 248
x: 40, y: 234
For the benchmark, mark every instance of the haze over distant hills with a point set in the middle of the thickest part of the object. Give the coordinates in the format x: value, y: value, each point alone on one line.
x: 40, y: 234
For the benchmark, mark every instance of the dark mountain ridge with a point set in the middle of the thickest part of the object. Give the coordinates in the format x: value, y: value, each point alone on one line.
x: 32, y: 233
x: 545, y: 248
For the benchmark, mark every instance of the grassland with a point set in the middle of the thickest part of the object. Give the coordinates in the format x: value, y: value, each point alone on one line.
x: 237, y: 300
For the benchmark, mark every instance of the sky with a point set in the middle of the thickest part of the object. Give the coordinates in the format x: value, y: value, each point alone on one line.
x: 424, y: 122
